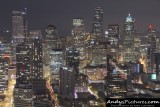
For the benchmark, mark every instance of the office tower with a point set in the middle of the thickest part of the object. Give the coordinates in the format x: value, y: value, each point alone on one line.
x: 57, y: 62
x: 81, y: 83
x: 78, y: 33
x: 72, y: 59
x: 36, y: 60
x: 40, y: 98
x: 156, y: 63
x: 95, y: 73
x: 113, y: 36
x: 23, y: 59
x: 151, y: 48
x: 67, y: 82
x: 128, y: 45
x: 137, y: 43
x: 3, y: 75
x: 35, y: 34
x: 23, y: 96
x: 116, y: 84
x: 99, y: 52
x: 19, y: 26
x: 50, y: 42
x: 23, y: 88
x: 5, y: 50
x: 97, y: 25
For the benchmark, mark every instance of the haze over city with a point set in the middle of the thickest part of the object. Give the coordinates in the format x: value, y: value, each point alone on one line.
x: 60, y: 13
x: 79, y: 53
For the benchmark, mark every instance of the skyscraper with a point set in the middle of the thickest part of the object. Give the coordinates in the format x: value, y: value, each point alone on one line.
x: 78, y: 33
x: 67, y: 82
x: 19, y: 26
x: 129, y: 24
x: 23, y: 64
x: 36, y: 60
x: 35, y: 34
x: 128, y: 34
x: 72, y: 59
x: 23, y: 88
x: 151, y: 48
x: 113, y: 36
x: 3, y: 74
x: 51, y: 42
x: 116, y: 84
x: 97, y: 26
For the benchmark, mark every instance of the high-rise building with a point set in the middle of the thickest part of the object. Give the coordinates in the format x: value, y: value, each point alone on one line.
x: 72, y: 59
x: 23, y: 96
x: 97, y: 26
x: 67, y: 82
x: 78, y: 33
x: 156, y: 63
x: 128, y: 45
x: 36, y: 60
x: 151, y: 48
x: 23, y: 59
x: 3, y: 75
x: 99, y: 52
x: 50, y: 42
x: 57, y: 62
x: 19, y: 26
x: 116, y: 84
x: 35, y: 34
x: 113, y: 36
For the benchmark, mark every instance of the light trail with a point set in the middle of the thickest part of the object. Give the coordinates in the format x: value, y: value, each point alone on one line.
x: 93, y: 93
x: 49, y: 87
x: 8, y: 101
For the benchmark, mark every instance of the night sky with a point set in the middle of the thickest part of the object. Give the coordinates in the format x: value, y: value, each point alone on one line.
x: 60, y: 13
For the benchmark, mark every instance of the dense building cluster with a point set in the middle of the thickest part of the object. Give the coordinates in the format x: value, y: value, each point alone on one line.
x: 79, y: 70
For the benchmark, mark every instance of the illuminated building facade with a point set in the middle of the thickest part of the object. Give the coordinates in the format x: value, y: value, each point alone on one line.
x: 99, y: 52
x: 113, y: 36
x: 81, y: 83
x: 57, y: 62
x: 137, y: 43
x: 23, y: 96
x: 50, y: 42
x: 3, y: 75
x: 78, y: 33
x: 72, y: 59
x: 95, y: 73
x: 97, y: 25
x: 151, y: 48
x: 19, y: 26
x: 23, y: 59
x: 116, y: 84
x: 36, y: 60
x: 128, y: 54
x: 35, y: 34
x: 67, y: 82
x: 156, y: 63
x: 5, y: 50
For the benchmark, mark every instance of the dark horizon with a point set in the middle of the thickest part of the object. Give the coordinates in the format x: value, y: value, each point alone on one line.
x: 60, y: 13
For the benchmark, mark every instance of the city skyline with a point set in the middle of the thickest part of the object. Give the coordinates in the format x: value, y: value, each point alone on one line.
x: 61, y: 13
x: 79, y: 53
